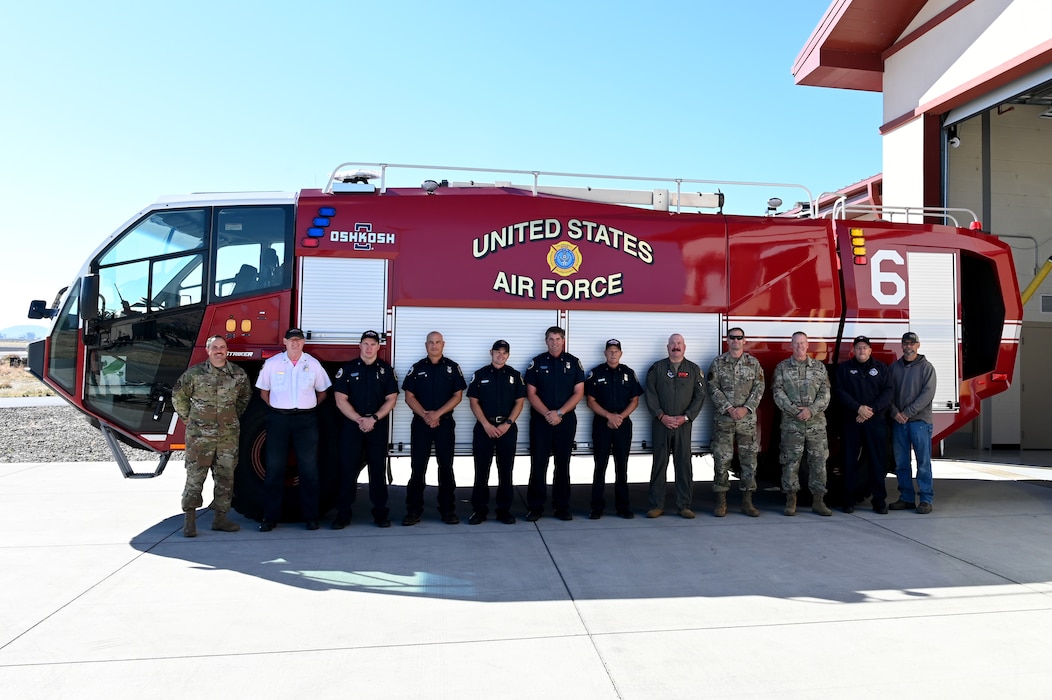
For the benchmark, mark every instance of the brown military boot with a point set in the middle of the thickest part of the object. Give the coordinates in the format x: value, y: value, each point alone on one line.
x: 819, y: 506
x: 790, y: 504
x: 221, y: 522
x: 747, y: 507
x: 190, y: 524
x: 721, y: 504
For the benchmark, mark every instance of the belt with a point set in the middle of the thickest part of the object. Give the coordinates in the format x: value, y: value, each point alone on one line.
x: 496, y: 420
x: 291, y: 411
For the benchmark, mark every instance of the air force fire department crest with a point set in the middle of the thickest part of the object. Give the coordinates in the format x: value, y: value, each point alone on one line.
x: 564, y: 258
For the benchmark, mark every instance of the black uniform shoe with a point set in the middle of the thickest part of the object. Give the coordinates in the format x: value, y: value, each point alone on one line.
x: 450, y: 519
x: 476, y: 519
x: 266, y: 526
x: 411, y: 519
x: 595, y: 514
x: 313, y: 525
x: 564, y: 515
x: 848, y: 509
x: 533, y: 516
x: 880, y: 508
x: 386, y: 522
x: 340, y: 523
x: 626, y: 514
x: 506, y: 518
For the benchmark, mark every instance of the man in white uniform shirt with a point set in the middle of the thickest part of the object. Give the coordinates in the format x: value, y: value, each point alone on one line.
x: 292, y: 384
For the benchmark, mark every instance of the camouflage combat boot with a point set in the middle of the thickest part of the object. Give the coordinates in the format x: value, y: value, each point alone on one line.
x: 819, y: 506
x: 790, y: 504
x: 721, y: 504
x: 190, y: 524
x: 747, y: 507
x: 221, y: 522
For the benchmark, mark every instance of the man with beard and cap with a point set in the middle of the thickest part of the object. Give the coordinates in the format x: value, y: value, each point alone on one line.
x: 913, y: 390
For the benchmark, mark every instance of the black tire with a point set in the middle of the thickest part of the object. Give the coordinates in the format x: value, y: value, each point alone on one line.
x: 249, y: 494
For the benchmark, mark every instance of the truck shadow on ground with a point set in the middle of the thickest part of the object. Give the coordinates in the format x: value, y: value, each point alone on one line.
x: 968, y: 541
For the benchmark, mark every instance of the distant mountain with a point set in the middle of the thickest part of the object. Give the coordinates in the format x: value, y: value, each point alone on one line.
x: 27, y: 332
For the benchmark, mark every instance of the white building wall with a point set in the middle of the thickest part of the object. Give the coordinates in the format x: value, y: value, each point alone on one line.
x: 974, y: 41
x: 904, y: 164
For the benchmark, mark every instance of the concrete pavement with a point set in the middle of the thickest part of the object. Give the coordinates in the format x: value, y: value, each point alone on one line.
x: 103, y: 597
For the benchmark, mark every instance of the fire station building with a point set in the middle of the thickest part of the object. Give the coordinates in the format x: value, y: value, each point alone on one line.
x: 967, y: 123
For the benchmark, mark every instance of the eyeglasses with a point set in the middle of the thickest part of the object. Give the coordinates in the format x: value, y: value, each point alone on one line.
x: 735, y: 337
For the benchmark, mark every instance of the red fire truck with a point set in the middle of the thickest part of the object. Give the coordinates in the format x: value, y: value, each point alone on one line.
x: 481, y: 261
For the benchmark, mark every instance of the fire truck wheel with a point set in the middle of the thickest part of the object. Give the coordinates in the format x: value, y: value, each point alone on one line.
x: 248, y: 477
x: 249, y: 495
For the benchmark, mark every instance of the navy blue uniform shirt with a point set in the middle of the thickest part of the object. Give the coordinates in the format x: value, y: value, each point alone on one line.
x: 497, y: 390
x: 612, y: 388
x: 434, y: 383
x: 366, y: 386
x: 554, y: 378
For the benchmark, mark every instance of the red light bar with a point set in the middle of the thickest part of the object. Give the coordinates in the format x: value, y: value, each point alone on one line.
x: 999, y: 376
x: 861, y: 260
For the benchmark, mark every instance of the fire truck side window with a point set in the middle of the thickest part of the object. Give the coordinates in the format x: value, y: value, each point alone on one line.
x: 251, y: 248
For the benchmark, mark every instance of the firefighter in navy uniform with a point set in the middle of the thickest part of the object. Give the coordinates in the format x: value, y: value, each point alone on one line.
x: 497, y: 396
x: 554, y: 386
x: 366, y: 391
x: 433, y: 388
x: 612, y: 392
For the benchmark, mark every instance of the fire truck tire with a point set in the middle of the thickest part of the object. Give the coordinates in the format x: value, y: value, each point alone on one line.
x: 249, y: 494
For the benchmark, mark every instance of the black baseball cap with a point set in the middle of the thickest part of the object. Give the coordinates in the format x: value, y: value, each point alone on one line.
x: 614, y: 342
x: 862, y: 339
x: 370, y: 334
x: 910, y: 337
x: 501, y: 345
x: 294, y: 333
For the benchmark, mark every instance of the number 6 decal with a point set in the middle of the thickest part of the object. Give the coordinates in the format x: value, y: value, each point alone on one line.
x: 880, y: 277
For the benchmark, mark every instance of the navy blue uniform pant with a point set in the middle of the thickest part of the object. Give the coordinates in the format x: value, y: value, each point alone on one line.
x: 606, y: 440
x: 358, y: 449
x: 547, y: 440
x: 421, y: 438
x: 873, y: 437
x: 485, y: 448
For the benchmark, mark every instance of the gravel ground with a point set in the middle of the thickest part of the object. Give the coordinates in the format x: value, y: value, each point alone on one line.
x: 56, y: 434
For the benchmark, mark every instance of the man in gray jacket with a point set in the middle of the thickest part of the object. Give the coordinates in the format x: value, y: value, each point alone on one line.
x: 912, y: 379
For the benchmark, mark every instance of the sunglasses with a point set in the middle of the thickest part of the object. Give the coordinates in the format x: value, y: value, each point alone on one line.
x: 735, y: 337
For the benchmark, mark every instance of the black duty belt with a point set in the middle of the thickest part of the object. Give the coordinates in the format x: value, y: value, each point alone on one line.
x: 291, y: 411
x: 497, y: 420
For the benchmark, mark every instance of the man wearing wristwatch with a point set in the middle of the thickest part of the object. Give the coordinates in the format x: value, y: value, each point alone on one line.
x: 366, y: 391
x: 675, y: 394
x: 554, y: 386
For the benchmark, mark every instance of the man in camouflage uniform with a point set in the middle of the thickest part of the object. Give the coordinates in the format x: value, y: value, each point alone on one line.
x: 736, y: 385
x: 801, y: 392
x: 210, y: 398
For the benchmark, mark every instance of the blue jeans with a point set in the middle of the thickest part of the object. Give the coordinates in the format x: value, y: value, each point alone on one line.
x: 915, y: 434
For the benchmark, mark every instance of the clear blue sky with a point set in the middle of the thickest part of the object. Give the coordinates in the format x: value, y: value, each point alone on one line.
x: 107, y: 105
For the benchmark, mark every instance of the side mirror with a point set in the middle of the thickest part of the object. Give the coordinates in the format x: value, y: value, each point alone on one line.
x: 89, y: 298
x: 38, y: 308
